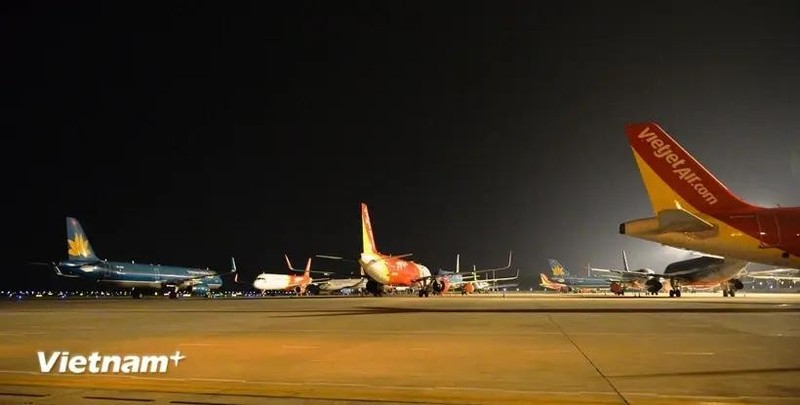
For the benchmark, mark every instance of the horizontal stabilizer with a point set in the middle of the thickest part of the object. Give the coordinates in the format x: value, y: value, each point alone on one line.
x: 678, y: 220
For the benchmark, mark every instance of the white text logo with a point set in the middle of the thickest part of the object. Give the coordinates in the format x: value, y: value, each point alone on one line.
x: 95, y: 363
x: 664, y: 151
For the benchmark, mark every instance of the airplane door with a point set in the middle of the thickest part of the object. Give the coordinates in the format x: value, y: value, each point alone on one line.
x: 769, y: 232
x: 156, y: 274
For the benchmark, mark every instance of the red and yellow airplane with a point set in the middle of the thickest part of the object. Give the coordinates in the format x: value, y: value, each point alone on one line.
x: 387, y: 270
x: 695, y: 211
x: 287, y: 282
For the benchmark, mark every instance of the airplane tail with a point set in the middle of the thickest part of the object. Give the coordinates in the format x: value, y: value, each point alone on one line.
x: 544, y: 279
x: 366, y: 232
x: 675, y: 179
x: 78, y: 247
x: 557, y: 269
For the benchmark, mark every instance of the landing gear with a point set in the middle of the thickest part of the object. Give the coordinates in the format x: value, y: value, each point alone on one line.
x: 136, y: 294
x: 424, y: 292
x: 374, y: 288
x: 675, y: 293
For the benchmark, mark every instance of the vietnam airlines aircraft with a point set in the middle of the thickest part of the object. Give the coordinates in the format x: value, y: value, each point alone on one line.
x: 695, y: 211
x: 83, y: 263
x: 386, y: 270
x: 562, y: 276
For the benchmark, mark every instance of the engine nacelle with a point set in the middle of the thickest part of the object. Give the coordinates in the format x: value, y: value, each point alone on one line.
x: 735, y: 284
x: 469, y: 288
x: 617, y: 288
x: 200, y: 289
x: 440, y: 285
x: 653, y: 285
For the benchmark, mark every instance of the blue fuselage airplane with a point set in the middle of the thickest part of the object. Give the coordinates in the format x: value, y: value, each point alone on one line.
x: 84, y: 264
x: 560, y: 275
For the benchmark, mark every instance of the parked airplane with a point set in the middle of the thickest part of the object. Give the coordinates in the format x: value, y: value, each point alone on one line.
x: 83, y: 263
x: 562, y: 276
x: 286, y: 282
x: 625, y: 279
x: 386, y: 270
x: 468, y: 283
x: 547, y: 284
x: 704, y: 272
x: 477, y: 284
x: 342, y: 284
x: 693, y: 210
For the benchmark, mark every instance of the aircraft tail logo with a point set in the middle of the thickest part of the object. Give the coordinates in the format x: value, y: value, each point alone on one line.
x: 78, y: 247
x: 671, y: 175
x: 366, y: 231
x: 544, y: 279
x: 557, y: 269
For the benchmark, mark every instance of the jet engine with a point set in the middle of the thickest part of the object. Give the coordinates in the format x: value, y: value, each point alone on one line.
x: 735, y: 284
x: 653, y: 285
x: 617, y: 288
x: 440, y: 285
x: 200, y: 289
x: 469, y: 288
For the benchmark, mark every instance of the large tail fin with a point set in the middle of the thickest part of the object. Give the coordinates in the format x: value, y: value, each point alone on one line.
x: 673, y: 178
x: 557, y: 269
x: 366, y: 231
x: 78, y: 247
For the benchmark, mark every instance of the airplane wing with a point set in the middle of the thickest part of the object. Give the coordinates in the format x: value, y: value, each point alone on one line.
x: 507, y: 266
x: 194, y: 280
x: 494, y: 280
x: 622, y: 275
x: 775, y: 274
x: 289, y: 264
x: 611, y: 274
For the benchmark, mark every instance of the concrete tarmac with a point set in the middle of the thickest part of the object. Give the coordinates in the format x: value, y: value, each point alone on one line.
x: 521, y: 349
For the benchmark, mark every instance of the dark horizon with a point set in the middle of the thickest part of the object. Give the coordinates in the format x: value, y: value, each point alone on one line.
x: 187, y: 133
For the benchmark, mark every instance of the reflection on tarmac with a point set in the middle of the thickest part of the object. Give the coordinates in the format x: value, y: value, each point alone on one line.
x: 519, y: 349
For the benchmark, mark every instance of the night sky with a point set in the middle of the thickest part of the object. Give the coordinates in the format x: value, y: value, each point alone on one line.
x: 186, y: 132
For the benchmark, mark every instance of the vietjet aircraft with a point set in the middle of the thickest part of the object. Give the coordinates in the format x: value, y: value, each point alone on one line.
x: 285, y: 282
x: 695, y: 211
x: 385, y: 270
x: 546, y: 283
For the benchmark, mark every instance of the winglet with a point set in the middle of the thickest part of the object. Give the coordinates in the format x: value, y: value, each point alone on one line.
x: 672, y: 176
x: 289, y: 263
x: 625, y: 261
x: 307, y: 272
